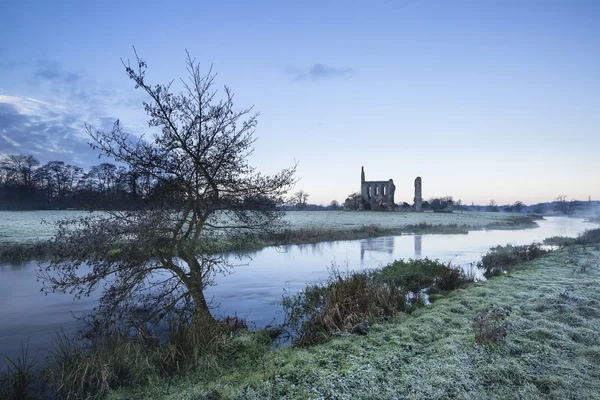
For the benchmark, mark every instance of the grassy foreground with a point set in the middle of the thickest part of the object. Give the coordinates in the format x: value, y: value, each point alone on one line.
x: 552, y: 349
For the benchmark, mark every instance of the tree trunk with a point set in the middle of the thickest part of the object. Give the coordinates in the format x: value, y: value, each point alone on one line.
x: 201, y: 309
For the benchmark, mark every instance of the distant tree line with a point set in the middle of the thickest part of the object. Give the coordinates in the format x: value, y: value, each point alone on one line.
x: 26, y: 184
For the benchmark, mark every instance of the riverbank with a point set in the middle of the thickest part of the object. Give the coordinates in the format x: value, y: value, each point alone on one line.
x: 550, y: 350
x: 346, y: 225
x: 24, y: 235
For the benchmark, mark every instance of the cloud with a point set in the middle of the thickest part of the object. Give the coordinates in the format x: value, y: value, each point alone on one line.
x: 47, y: 135
x: 49, y: 122
x: 319, y: 72
x: 52, y: 71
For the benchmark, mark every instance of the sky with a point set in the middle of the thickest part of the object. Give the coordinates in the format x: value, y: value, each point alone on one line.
x: 482, y: 99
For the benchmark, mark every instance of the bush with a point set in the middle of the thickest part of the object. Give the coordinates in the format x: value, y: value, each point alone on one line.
x: 560, y: 241
x: 339, y: 305
x: 499, y: 259
x: 415, y: 275
x: 590, y: 236
x: 91, y: 368
x: 451, y: 279
x: 20, y: 252
x: 491, y: 325
x: 440, y: 204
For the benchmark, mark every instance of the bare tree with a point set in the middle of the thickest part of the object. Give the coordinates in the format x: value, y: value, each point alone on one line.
x: 518, y: 206
x: 162, y: 257
x: 299, y: 199
x: 562, y: 205
x: 20, y: 168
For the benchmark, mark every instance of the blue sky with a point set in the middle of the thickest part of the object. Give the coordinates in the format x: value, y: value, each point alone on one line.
x: 482, y: 99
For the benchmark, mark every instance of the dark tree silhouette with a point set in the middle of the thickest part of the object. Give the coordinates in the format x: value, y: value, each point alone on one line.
x: 299, y: 199
x: 518, y: 206
x: 566, y: 207
x: 160, y: 258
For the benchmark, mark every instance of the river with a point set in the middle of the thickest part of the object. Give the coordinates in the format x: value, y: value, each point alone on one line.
x: 255, y: 289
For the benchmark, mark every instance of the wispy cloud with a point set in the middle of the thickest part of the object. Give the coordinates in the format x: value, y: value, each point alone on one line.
x: 45, y: 134
x: 319, y: 72
x: 49, y: 122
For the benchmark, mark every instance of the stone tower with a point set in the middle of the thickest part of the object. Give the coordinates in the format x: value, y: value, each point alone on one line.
x: 418, y: 195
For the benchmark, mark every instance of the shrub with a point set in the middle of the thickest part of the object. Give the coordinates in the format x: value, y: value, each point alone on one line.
x: 560, y: 241
x: 92, y: 367
x: 339, y: 305
x: 415, y: 275
x: 411, y: 275
x: 500, y: 258
x: 20, y: 252
x: 452, y: 278
x: 440, y: 204
x: 491, y: 325
x: 590, y: 236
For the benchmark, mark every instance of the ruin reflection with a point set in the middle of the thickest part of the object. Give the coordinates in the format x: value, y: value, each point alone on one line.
x: 418, y: 246
x: 380, y: 245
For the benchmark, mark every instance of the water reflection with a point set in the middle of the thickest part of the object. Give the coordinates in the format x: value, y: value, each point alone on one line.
x: 417, y: 246
x: 381, y: 244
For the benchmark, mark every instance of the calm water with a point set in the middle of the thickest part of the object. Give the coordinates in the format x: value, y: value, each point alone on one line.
x: 255, y: 289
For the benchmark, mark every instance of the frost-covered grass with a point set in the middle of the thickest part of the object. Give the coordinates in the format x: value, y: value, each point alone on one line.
x: 551, y: 350
x: 348, y: 220
x: 28, y: 226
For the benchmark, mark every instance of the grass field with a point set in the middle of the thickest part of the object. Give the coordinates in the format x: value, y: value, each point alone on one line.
x: 347, y: 220
x: 32, y: 226
x: 552, y: 349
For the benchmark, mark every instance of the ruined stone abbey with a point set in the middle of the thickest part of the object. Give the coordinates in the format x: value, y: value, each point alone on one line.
x: 379, y: 195
x: 376, y: 195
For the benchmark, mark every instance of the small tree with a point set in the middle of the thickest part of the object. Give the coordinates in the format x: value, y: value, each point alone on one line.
x: 518, y: 206
x: 440, y: 204
x: 353, y: 201
x: 566, y: 207
x: 334, y: 205
x: 19, y: 168
x: 299, y: 199
x: 161, y: 258
x: 492, y: 206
